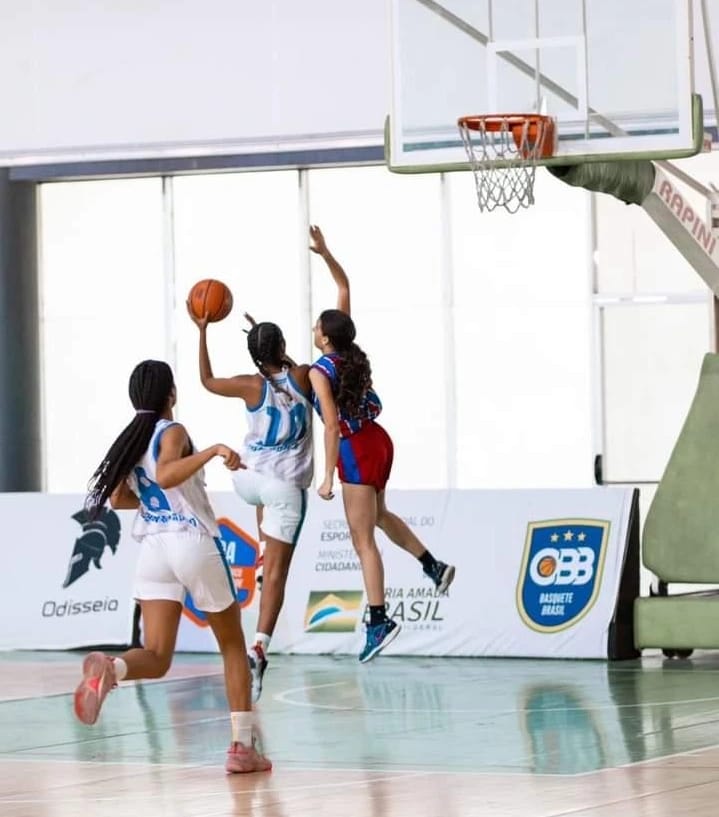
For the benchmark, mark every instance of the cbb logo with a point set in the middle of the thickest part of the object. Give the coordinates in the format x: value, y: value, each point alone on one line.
x: 561, y: 566
x: 561, y: 571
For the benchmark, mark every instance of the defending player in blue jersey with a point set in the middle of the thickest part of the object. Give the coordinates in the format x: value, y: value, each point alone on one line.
x: 361, y: 450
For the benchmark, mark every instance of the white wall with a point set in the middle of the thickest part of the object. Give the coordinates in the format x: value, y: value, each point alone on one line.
x: 88, y: 79
x: 523, y: 328
x: 80, y: 78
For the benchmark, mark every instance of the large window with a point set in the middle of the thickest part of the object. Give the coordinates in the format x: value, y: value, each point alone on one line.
x: 102, y: 308
x: 386, y: 231
x: 522, y: 327
x: 654, y: 321
x: 506, y: 350
x: 243, y: 229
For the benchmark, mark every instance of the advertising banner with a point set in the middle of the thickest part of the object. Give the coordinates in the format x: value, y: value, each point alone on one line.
x: 538, y: 574
x: 66, y: 581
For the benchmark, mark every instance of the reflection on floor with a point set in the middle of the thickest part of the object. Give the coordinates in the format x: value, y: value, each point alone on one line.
x: 399, y: 736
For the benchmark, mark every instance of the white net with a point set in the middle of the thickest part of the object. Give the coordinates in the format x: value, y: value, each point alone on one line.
x: 503, y: 153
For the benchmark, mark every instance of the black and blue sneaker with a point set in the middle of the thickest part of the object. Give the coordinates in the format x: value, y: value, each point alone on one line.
x: 258, y: 664
x: 441, y: 574
x: 378, y: 637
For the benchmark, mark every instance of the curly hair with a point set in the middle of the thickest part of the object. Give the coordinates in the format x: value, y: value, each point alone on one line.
x: 151, y: 384
x: 354, y: 370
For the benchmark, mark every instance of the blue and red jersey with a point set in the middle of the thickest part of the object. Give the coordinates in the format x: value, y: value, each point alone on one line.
x: 366, y: 451
x: 369, y: 408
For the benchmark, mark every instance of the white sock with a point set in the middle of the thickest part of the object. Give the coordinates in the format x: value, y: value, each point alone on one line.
x: 120, y: 668
x: 263, y: 640
x: 241, y: 727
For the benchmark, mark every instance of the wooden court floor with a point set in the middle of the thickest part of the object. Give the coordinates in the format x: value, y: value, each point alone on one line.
x: 396, y: 738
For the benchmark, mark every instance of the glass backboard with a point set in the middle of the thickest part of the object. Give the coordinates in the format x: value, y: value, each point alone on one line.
x: 616, y: 74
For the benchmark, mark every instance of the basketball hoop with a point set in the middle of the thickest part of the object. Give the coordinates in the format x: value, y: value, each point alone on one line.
x: 503, y: 150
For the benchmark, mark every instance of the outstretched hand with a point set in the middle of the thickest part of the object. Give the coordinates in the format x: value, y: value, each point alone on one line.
x: 318, y: 244
x: 200, y: 323
x: 339, y: 276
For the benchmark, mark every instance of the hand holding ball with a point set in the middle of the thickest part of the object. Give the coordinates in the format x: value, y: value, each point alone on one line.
x: 210, y: 298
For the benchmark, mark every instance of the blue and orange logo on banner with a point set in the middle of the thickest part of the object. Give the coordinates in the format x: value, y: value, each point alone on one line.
x: 561, y: 572
x: 241, y: 551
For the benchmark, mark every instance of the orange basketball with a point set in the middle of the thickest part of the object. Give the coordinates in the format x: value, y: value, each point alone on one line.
x: 211, y: 298
x: 547, y: 566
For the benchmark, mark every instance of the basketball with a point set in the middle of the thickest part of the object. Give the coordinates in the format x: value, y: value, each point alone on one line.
x: 547, y: 566
x: 212, y: 298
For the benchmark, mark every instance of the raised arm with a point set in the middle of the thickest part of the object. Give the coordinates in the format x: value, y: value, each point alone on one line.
x: 243, y: 386
x: 328, y: 409
x: 339, y: 276
x: 175, y: 465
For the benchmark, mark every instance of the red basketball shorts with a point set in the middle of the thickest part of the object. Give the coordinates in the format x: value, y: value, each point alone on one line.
x: 366, y: 457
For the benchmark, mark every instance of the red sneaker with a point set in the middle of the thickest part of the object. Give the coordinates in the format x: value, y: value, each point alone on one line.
x: 98, y: 679
x: 243, y: 759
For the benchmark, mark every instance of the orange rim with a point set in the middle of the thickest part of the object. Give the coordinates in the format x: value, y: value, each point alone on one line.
x: 539, y: 128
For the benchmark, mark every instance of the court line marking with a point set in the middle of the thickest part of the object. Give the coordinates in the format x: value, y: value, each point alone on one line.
x: 143, y: 764
x: 125, y: 685
x: 279, y: 767
x: 633, y: 800
x: 142, y: 795
x: 101, y: 738
x: 284, y: 697
x: 403, y: 772
x: 684, y: 753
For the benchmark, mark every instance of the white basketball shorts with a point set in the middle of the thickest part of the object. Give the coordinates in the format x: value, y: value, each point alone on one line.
x: 174, y: 562
x: 284, y: 504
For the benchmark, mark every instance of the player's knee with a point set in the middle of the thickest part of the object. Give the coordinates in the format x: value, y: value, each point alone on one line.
x: 162, y: 664
x: 275, y: 575
x: 363, y: 543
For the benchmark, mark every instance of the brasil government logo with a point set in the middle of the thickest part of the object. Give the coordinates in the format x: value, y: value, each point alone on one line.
x: 333, y: 611
x: 561, y: 572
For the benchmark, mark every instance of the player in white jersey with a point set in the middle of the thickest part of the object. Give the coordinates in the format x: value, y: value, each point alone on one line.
x: 277, y: 451
x: 154, y: 468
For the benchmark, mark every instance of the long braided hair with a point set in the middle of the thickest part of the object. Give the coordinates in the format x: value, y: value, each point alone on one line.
x: 354, y: 372
x: 150, y: 388
x: 266, y: 346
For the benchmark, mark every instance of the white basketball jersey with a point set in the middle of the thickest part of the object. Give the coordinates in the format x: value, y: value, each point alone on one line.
x: 184, y: 507
x: 279, y: 438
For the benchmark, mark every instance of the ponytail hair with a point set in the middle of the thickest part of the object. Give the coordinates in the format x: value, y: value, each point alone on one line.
x: 266, y: 345
x: 151, y: 386
x: 354, y: 371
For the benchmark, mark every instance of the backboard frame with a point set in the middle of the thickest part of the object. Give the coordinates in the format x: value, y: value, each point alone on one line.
x: 680, y: 153
x: 438, y: 149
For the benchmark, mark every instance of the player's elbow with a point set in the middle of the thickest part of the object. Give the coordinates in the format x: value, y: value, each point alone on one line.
x: 212, y: 386
x: 165, y: 480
